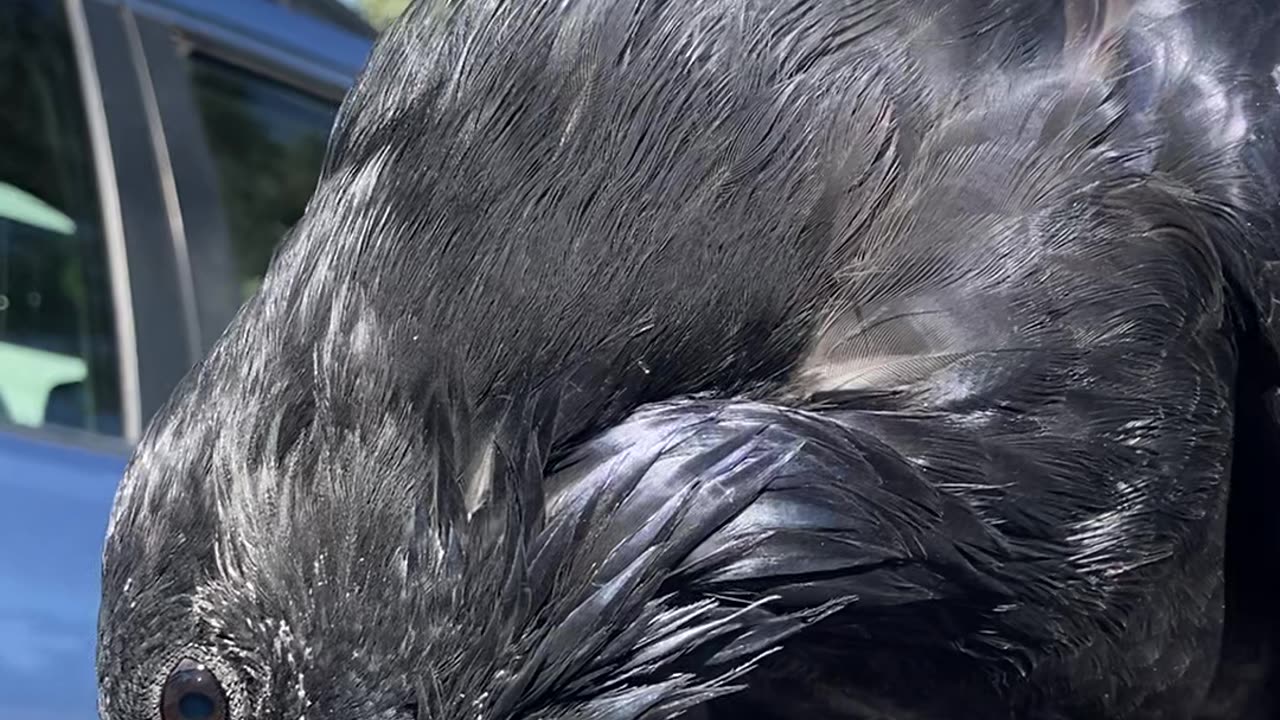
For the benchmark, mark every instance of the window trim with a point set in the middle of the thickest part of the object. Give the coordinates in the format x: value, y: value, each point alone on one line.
x: 166, y: 41
x: 255, y: 54
x: 304, y: 76
x: 200, y: 234
x: 159, y: 320
x: 168, y: 187
x: 112, y: 220
x: 70, y: 437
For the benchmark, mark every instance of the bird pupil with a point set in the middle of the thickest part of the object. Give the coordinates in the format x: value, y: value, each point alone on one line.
x: 196, y: 706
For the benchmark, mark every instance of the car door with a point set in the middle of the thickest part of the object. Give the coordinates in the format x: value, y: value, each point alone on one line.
x: 72, y: 370
x: 151, y: 156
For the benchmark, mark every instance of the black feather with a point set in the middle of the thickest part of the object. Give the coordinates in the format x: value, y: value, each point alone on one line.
x: 740, y: 358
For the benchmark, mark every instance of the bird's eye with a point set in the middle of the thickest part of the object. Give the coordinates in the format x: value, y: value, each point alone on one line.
x: 192, y: 693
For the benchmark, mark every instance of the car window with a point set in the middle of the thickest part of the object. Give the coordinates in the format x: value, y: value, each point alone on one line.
x: 268, y: 142
x: 58, y: 362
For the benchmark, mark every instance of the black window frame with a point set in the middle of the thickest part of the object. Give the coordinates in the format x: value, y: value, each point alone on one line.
x: 160, y: 307
x: 166, y: 42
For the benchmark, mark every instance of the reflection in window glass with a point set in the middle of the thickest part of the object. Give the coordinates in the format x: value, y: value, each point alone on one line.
x: 57, y: 339
x: 268, y: 143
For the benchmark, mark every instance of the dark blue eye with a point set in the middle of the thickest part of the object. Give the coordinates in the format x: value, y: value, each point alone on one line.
x: 191, y: 692
x: 196, y: 706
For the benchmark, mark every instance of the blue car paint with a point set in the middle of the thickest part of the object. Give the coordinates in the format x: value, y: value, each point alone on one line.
x: 56, y: 495
x: 55, y: 501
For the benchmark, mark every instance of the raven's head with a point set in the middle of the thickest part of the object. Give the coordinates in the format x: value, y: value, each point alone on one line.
x: 332, y: 541
x: 314, y: 528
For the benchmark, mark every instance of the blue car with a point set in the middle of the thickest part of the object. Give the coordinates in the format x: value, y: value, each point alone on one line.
x: 152, y: 153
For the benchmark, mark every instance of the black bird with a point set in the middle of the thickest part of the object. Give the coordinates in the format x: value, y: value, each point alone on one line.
x: 742, y: 359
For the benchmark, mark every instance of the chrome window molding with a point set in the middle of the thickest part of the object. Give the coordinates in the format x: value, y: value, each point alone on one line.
x: 168, y: 187
x: 112, y: 221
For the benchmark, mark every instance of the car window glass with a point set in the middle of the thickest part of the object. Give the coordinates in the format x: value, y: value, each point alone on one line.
x: 268, y: 142
x: 58, y: 361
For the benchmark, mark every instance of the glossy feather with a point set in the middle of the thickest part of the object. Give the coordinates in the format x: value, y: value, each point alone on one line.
x: 732, y: 358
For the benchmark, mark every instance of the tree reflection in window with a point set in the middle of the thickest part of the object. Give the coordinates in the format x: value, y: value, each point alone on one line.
x: 268, y: 142
x: 58, y: 363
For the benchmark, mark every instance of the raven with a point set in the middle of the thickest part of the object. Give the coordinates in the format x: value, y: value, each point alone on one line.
x: 640, y: 359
